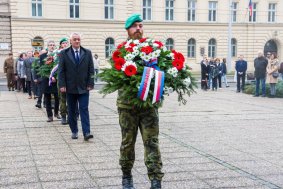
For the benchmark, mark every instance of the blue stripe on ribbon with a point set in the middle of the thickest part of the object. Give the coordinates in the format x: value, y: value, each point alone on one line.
x: 145, y: 69
x: 162, y: 83
x: 152, y: 63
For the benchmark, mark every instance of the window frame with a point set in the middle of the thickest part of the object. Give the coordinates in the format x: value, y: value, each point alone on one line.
x: 234, y: 11
x: 110, y: 9
x: 36, y: 3
x: 272, y: 13
x: 76, y: 7
x: 234, y: 47
x: 253, y: 17
x: 170, y: 10
x: 212, y: 48
x: 191, y: 48
x: 212, y: 11
x: 109, y: 47
x: 169, y: 46
x: 147, y: 10
x: 192, y: 10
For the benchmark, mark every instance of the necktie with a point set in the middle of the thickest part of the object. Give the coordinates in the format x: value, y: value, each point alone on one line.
x: 77, y: 56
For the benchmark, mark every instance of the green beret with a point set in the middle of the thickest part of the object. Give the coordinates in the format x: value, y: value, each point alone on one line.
x: 64, y: 39
x: 132, y: 19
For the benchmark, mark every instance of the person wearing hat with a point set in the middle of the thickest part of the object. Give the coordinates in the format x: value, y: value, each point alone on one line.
x: 131, y: 119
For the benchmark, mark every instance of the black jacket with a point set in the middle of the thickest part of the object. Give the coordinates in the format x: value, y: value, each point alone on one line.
x: 260, y: 64
x: 76, y: 77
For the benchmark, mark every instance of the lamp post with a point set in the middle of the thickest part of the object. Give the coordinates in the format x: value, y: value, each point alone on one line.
x: 229, y: 57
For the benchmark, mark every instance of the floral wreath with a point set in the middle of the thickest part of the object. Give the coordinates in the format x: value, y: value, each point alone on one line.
x: 144, y: 71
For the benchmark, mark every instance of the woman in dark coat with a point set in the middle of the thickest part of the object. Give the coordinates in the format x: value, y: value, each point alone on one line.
x: 204, y: 74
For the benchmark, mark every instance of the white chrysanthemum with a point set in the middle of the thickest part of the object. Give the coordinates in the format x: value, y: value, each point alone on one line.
x: 143, y: 44
x: 155, y: 45
x: 135, y: 53
x: 142, y: 55
x: 187, y: 81
x: 168, y: 90
x: 135, y: 48
x: 129, y: 57
x: 148, y: 40
x: 170, y: 71
x: 147, y: 57
x: 175, y: 70
x: 127, y: 64
x: 164, y: 48
x: 136, y: 42
x: 175, y: 74
x: 156, y: 54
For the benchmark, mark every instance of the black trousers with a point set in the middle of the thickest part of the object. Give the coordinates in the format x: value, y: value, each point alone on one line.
x: 49, y: 106
x: 28, y: 85
x: 239, y: 78
x: 219, y: 80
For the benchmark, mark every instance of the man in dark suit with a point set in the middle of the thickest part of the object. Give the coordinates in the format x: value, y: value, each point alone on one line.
x: 241, y: 68
x: 76, y: 79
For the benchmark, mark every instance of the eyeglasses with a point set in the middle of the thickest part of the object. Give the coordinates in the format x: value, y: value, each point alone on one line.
x: 51, y: 45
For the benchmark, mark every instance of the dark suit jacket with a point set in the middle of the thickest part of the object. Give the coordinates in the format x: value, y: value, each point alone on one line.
x: 76, y: 77
x: 241, y: 66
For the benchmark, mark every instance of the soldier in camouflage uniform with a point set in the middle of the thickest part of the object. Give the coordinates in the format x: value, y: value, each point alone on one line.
x: 131, y: 119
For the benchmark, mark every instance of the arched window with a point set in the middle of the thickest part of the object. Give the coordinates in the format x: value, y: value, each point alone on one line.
x: 169, y: 44
x: 234, y: 47
x: 191, y: 48
x: 37, y: 43
x: 109, y: 46
x: 212, y: 48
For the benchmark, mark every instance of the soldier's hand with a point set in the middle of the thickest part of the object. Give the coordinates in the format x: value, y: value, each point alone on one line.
x: 35, y: 80
x: 89, y: 88
x: 63, y: 89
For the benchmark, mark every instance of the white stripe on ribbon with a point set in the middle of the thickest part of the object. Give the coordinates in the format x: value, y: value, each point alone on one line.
x: 147, y: 83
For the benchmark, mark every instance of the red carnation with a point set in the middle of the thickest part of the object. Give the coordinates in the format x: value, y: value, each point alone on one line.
x: 49, y: 60
x: 159, y: 44
x: 116, y: 55
x: 142, y: 40
x: 147, y: 49
x: 130, y: 49
x: 179, y: 57
x: 121, y: 45
x: 118, y: 63
x: 178, y: 64
x: 130, y: 70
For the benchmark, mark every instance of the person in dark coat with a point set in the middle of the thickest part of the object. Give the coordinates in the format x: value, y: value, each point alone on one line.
x: 241, y: 68
x: 49, y: 89
x: 214, y: 71
x: 76, y: 79
x: 220, y: 70
x: 28, y: 72
x: 260, y: 64
x: 204, y: 73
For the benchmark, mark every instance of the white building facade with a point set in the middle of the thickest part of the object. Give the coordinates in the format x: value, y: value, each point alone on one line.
x: 193, y: 27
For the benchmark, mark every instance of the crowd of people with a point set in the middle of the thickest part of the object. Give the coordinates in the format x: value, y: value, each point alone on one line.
x: 266, y: 70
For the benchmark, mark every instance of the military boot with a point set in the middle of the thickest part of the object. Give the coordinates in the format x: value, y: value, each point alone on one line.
x: 155, y: 184
x: 127, y: 182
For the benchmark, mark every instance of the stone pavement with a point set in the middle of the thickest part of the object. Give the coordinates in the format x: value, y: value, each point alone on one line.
x: 219, y: 139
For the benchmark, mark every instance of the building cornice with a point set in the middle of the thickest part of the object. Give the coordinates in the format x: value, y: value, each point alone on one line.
x: 151, y: 23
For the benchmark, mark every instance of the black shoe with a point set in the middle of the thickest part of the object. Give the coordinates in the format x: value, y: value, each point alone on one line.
x: 127, y: 182
x: 87, y: 136
x: 38, y: 105
x: 57, y: 116
x: 74, y: 136
x: 256, y: 96
x: 263, y: 95
x: 155, y: 184
x: 64, y: 120
x: 50, y: 119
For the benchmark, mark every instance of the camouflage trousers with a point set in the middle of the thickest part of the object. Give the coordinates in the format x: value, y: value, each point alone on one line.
x: 147, y: 121
x: 63, y: 104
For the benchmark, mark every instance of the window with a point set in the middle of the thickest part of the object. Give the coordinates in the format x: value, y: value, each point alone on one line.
x: 234, y: 11
x: 191, y: 10
x: 169, y: 10
x: 271, y: 12
x: 252, y: 17
x: 36, y: 7
x: 169, y: 44
x: 212, y: 48
x: 212, y: 11
x: 234, y: 47
x: 191, y: 48
x: 146, y: 11
x: 74, y: 9
x: 109, y: 9
x: 109, y: 46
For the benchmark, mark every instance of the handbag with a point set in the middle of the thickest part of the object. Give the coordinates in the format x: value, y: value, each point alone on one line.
x: 275, y: 74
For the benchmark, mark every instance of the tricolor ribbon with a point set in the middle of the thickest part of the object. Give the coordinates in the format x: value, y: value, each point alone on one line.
x: 53, y: 71
x: 152, y: 63
x: 158, y: 86
x: 145, y: 83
